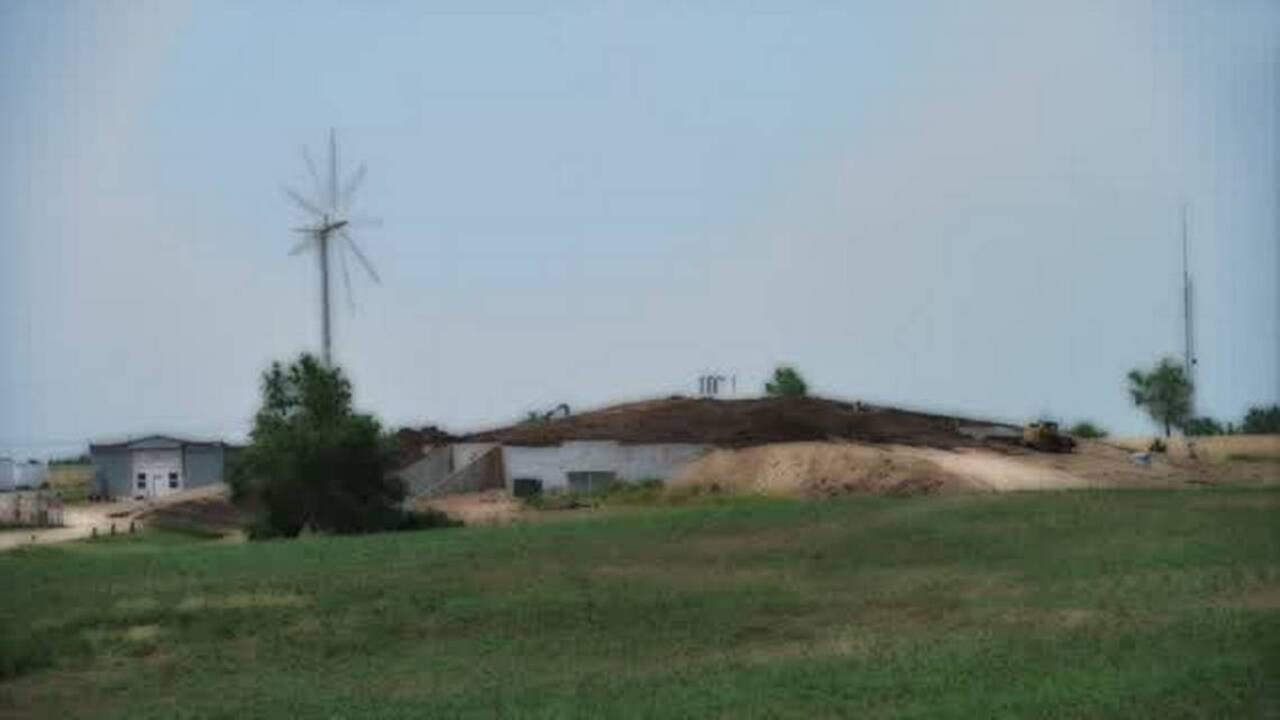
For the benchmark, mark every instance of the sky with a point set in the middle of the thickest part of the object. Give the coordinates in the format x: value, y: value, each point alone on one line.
x: 964, y: 207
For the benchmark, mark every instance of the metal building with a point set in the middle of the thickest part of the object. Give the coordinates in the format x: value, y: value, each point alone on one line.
x: 157, y: 465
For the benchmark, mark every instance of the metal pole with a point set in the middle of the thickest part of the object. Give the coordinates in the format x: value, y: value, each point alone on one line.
x: 324, y: 295
x: 1187, y: 338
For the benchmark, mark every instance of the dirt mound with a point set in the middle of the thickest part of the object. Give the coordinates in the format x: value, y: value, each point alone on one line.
x: 743, y: 423
x: 493, y: 507
x: 410, y: 442
x: 205, y: 510
x: 815, y: 469
x: 824, y: 469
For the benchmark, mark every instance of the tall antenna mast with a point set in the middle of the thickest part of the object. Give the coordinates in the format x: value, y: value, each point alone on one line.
x: 1188, y: 348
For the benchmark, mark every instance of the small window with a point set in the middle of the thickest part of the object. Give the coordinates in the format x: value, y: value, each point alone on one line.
x: 142, y: 476
x: 142, y: 484
x: 173, y: 480
x: 591, y: 481
x: 173, y: 476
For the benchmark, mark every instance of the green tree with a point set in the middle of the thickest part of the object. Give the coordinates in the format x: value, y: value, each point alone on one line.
x: 1087, y: 430
x: 312, y: 461
x: 1164, y: 392
x: 1262, y: 420
x: 786, y: 382
x: 1204, y: 426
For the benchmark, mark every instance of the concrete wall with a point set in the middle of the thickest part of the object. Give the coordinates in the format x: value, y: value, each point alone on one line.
x: 631, y: 463
x: 466, y: 453
x: 432, y: 469
x: 31, y: 508
x: 482, y: 473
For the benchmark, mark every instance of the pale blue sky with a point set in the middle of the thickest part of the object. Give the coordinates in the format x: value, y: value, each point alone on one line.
x: 930, y: 204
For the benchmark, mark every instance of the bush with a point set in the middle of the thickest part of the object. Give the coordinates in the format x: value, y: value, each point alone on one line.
x: 786, y: 383
x: 312, y: 461
x: 1158, y: 446
x: 1087, y: 430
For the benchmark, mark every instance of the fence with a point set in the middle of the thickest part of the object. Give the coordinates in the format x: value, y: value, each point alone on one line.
x: 35, y: 508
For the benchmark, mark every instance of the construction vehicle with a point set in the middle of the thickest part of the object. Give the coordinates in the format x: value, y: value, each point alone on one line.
x: 1044, y: 435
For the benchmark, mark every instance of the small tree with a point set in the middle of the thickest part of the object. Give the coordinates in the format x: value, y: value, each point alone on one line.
x: 1164, y: 392
x: 786, y: 383
x: 1087, y: 430
x: 312, y: 461
x: 1262, y: 420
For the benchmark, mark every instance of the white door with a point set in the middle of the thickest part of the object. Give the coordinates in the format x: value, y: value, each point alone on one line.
x: 156, y: 473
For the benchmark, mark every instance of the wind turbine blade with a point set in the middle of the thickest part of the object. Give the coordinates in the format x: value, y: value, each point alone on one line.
x: 353, y: 184
x: 297, y: 249
x: 317, y: 186
x: 303, y: 202
x: 360, y: 256
x: 346, y: 280
x: 368, y: 221
x: 333, y: 168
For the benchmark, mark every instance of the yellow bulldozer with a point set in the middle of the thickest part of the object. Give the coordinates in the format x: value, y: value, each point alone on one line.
x: 1044, y: 435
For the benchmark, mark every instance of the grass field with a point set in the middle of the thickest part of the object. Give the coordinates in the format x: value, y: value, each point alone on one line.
x: 1216, y: 448
x: 1088, y: 604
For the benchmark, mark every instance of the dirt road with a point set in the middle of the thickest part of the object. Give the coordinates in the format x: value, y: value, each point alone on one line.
x: 80, y: 521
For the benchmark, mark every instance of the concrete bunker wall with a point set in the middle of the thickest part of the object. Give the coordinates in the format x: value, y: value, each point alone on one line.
x: 631, y: 463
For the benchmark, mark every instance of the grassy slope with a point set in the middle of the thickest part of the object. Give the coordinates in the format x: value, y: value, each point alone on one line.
x: 1091, y: 604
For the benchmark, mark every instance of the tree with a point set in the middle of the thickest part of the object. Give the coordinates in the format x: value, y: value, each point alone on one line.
x: 312, y: 461
x: 1164, y: 392
x: 1261, y: 420
x: 1087, y: 430
x: 1204, y: 426
x: 786, y: 383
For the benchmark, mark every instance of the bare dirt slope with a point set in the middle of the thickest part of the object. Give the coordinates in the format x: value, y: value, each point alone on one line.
x: 820, y: 469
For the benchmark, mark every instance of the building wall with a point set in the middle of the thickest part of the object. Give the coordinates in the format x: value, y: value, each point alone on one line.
x: 113, y: 471
x: 466, y: 453
x: 434, y: 467
x: 631, y: 463
x: 30, y: 476
x: 484, y: 472
x: 203, y: 466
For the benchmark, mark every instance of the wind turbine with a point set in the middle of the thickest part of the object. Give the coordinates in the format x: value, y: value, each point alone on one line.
x: 330, y: 225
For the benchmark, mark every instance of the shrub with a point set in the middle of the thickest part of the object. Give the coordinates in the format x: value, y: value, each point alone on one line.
x: 1158, y: 446
x: 1087, y: 430
x: 786, y: 383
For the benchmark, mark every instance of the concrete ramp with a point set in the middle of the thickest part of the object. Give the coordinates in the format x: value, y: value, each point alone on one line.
x: 481, y: 471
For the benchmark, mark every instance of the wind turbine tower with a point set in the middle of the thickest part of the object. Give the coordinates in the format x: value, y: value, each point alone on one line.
x: 329, y: 231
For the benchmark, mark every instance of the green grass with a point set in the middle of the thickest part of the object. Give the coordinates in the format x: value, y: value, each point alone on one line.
x: 1086, y: 604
